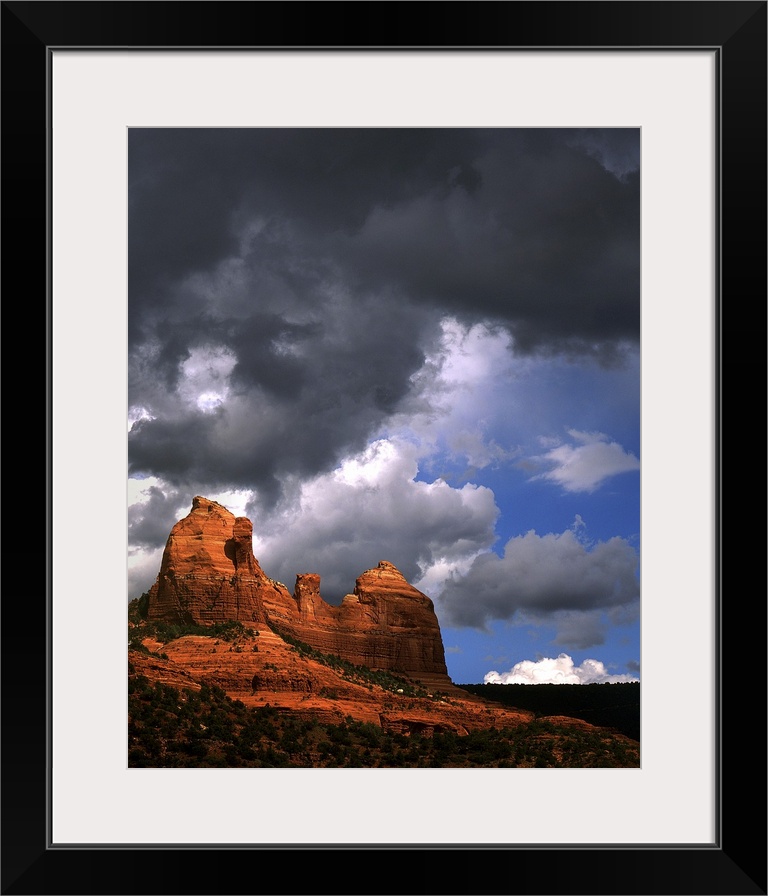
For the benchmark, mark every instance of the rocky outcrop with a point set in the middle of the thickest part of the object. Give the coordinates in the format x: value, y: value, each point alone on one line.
x: 209, y: 574
x: 385, y: 623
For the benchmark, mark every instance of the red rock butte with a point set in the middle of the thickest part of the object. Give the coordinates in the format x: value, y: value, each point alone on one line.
x: 209, y: 574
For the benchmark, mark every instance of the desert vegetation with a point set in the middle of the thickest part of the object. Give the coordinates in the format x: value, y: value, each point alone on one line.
x: 172, y: 725
x: 178, y: 727
x: 614, y: 706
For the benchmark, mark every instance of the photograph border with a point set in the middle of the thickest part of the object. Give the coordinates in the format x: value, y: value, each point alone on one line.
x: 736, y: 32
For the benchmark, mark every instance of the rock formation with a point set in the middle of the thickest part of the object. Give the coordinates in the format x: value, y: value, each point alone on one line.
x: 209, y: 574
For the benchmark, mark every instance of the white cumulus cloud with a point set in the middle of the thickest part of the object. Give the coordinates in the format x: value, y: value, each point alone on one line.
x: 371, y: 508
x: 460, y: 397
x: 556, y: 670
x: 586, y: 463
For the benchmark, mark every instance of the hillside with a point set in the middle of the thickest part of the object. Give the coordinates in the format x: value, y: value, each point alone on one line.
x: 236, y: 696
x: 227, y: 667
x: 607, y: 705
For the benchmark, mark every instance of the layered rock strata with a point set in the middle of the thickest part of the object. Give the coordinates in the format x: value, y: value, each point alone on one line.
x: 385, y: 623
x: 209, y: 574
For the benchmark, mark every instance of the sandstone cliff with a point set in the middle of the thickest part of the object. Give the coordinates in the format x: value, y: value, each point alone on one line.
x: 209, y: 574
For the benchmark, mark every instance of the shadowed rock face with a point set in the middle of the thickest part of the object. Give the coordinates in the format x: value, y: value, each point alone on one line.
x: 209, y: 574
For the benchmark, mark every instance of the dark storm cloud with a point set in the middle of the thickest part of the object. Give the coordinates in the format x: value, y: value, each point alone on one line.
x: 150, y: 522
x: 547, y: 244
x: 284, y: 284
x: 286, y: 413
x: 191, y: 190
x: 546, y: 577
x: 524, y: 225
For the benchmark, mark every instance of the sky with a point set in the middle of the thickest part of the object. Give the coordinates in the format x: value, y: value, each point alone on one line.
x: 402, y: 344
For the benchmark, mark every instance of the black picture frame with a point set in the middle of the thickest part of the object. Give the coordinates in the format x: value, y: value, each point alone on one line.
x: 736, y: 863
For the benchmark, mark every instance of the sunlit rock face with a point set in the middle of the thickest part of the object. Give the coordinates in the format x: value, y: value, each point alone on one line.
x: 209, y: 574
x: 385, y: 623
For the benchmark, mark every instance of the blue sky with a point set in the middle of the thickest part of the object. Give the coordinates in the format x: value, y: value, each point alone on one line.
x: 411, y: 345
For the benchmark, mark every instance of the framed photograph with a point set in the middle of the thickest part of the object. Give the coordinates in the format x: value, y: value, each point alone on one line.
x: 530, y: 111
